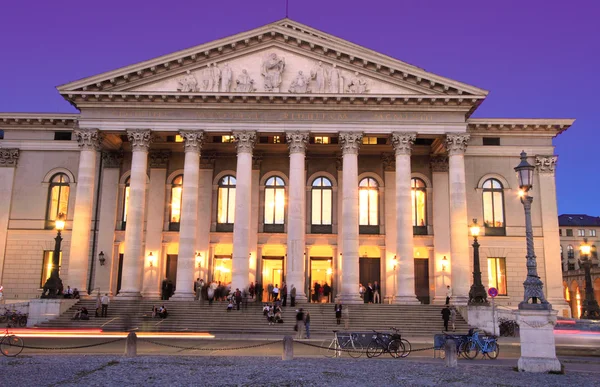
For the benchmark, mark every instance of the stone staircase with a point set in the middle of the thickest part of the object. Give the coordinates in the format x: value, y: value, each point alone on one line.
x: 413, y: 320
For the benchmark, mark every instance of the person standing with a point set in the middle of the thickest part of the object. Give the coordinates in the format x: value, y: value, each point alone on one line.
x: 210, y: 292
x: 251, y: 290
x: 307, y: 324
x: 448, y: 294
x: 368, y: 294
x: 446, y: 317
x: 258, y: 288
x: 284, y: 294
x: 299, y: 323
x: 98, y: 305
x: 317, y: 292
x: 270, y: 292
x: 376, y: 293
x: 453, y: 318
x: 238, y: 298
x: 276, y: 292
x: 326, y: 291
x: 105, y: 301
x: 293, y: 296
x: 338, y: 312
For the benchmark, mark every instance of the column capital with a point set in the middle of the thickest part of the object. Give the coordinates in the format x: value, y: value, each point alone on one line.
x: 456, y: 143
x: 403, y: 142
x: 193, y: 140
x: 244, y: 141
x: 9, y: 157
x: 112, y: 159
x: 159, y: 159
x: 439, y: 163
x: 257, y: 160
x: 139, y: 139
x: 88, y: 139
x: 297, y: 141
x: 350, y: 142
x: 389, y: 161
x: 546, y: 164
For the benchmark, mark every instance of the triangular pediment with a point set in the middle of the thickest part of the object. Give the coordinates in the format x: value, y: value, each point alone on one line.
x: 269, y: 59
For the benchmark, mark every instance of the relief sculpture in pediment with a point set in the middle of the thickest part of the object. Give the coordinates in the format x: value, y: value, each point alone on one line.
x: 244, y: 83
x: 188, y: 83
x: 355, y: 84
x: 272, y: 70
x: 226, y: 77
x: 333, y: 80
x: 300, y: 84
x: 210, y: 78
x: 319, y: 75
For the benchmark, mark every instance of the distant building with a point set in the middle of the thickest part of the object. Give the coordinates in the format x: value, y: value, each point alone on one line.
x: 572, y: 229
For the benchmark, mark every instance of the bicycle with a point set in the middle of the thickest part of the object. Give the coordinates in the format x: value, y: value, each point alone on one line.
x: 407, y: 346
x: 16, y: 319
x: 11, y: 345
x: 460, y: 341
x: 343, y: 343
x: 488, y: 346
x: 383, y: 342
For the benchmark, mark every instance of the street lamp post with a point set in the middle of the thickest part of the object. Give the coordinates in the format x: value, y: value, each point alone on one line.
x: 477, y: 294
x: 54, y: 284
x: 533, y: 285
x: 590, y: 308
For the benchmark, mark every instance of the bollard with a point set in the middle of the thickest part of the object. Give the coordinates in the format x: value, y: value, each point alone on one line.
x: 450, y: 352
x: 131, y: 345
x: 288, y: 348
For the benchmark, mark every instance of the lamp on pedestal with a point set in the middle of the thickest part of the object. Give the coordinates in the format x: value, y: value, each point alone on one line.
x: 54, y: 284
x: 477, y: 294
x: 590, y: 308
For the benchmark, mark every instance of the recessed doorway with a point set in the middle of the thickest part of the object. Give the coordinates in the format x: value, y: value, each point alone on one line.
x: 272, y: 274
x: 321, y: 273
x: 223, y: 266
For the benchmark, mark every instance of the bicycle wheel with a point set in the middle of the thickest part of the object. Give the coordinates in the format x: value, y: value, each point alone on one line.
x: 329, y: 348
x: 355, y: 350
x: 407, y: 347
x: 23, y: 321
x: 374, y: 349
x: 494, y: 350
x: 11, y: 345
x: 470, y: 350
x: 3, y: 319
x: 396, y: 348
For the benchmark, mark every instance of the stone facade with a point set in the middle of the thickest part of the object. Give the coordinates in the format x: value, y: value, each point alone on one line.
x: 403, y: 169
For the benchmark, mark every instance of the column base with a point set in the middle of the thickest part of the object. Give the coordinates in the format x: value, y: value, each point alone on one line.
x: 151, y: 295
x: 300, y: 299
x: 183, y: 296
x: 458, y: 300
x: 133, y: 295
x: 350, y: 299
x: 406, y: 300
x: 439, y: 300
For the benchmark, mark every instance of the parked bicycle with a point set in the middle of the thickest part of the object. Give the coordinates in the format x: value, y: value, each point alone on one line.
x: 14, y: 318
x: 343, y: 343
x: 385, y: 343
x: 508, y: 327
x: 407, y: 346
x: 487, y: 345
x: 460, y: 340
x: 11, y: 345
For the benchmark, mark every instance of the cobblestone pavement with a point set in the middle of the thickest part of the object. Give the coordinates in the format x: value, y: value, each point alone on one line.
x: 102, y: 370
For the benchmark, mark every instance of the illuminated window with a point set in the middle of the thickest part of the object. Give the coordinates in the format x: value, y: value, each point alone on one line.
x: 178, y: 138
x: 581, y: 232
x: 176, y: 191
x: 47, y: 266
x: 497, y: 274
x: 274, y: 201
x: 493, y: 207
x: 419, y: 202
x: 322, y: 140
x: 570, y: 252
x: 368, y: 193
x: 369, y: 140
x: 321, y: 213
x: 58, y: 198
x: 226, y: 203
x: 592, y: 233
x: 223, y: 266
x: 276, y: 139
x: 227, y: 138
x: 125, y: 203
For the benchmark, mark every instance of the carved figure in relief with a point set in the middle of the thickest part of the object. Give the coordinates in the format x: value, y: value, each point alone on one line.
x: 245, y: 84
x: 272, y: 68
x: 333, y: 80
x: 206, y: 79
x: 300, y: 84
x: 318, y: 74
x: 354, y: 84
x: 188, y: 83
x: 226, y: 77
x: 216, y: 77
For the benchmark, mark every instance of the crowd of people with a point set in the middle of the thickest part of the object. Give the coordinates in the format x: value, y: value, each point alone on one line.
x: 321, y: 293
x: 370, y: 294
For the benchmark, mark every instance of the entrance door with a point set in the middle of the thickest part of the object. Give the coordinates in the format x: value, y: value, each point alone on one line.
x: 369, y: 271
x: 320, y: 272
x: 422, y: 280
x: 171, y: 273
x: 272, y: 273
x: 120, y: 273
x: 223, y: 266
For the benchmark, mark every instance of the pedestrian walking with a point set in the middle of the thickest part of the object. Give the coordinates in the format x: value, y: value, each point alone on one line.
x: 211, y: 293
x: 448, y: 294
x: 446, y: 317
x: 258, y: 288
x: 338, y: 312
x: 293, y: 296
x: 307, y: 324
x: 453, y: 318
x: 238, y: 298
x: 299, y: 323
x: 284, y: 294
x: 98, y: 305
x: 276, y: 292
x: 105, y: 301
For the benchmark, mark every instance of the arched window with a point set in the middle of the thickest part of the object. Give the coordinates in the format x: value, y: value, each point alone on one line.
x: 58, y: 198
x: 175, y: 212
x: 226, y: 204
x: 321, y: 213
x: 125, y: 203
x: 368, y: 206
x: 419, y: 204
x: 493, y: 207
x: 274, y: 204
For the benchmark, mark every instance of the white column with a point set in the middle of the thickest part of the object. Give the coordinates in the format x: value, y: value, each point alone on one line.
x: 159, y: 161
x: 133, y: 258
x: 186, y: 259
x: 205, y: 191
x: 441, y: 227
x: 8, y: 163
x: 109, y: 194
x: 89, y: 141
x: 350, y: 143
x: 456, y: 145
x: 254, y: 214
x: 552, y: 266
x: 297, y: 213
x: 243, y: 194
x: 389, y: 165
x: 405, y: 289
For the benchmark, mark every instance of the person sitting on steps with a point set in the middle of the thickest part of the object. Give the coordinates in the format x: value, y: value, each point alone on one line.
x: 162, y: 312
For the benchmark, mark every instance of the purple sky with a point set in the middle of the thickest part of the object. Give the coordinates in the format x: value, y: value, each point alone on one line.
x: 539, y: 59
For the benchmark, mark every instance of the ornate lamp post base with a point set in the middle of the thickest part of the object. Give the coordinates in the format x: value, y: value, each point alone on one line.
x: 52, y: 287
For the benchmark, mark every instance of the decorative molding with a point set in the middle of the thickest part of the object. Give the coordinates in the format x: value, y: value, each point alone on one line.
x: 537, y: 324
x: 439, y: 163
x: 257, y: 160
x: 350, y: 142
x: 139, y: 139
x: 339, y: 163
x: 389, y: 161
x: 297, y: 141
x: 9, y: 157
x: 207, y: 160
x: 498, y: 126
x: 159, y: 159
x: 245, y: 141
x: 457, y: 143
x: 88, y: 139
x: 546, y: 164
x: 112, y: 159
x: 403, y: 142
x: 193, y: 140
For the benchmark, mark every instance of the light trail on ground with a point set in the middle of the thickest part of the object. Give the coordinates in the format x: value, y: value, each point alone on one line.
x: 100, y: 334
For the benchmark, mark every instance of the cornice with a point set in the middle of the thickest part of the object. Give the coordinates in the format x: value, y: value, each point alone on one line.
x: 553, y: 127
x: 38, y: 121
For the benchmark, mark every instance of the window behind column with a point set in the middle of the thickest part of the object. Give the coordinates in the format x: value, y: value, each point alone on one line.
x: 419, y: 205
x: 368, y: 200
x: 125, y: 203
x: 321, y: 201
x: 497, y: 274
x: 175, y: 211
x: 47, y: 266
x: 274, y: 205
x: 58, y: 198
x: 493, y: 207
x: 226, y: 204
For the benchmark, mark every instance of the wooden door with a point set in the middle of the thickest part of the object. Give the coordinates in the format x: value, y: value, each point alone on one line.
x: 120, y: 273
x: 422, y: 280
x: 171, y: 272
x: 369, y: 271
